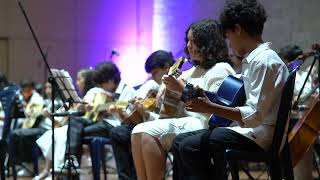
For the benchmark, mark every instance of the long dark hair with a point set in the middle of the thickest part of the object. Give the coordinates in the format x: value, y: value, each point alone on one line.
x: 209, y: 39
x: 87, y: 74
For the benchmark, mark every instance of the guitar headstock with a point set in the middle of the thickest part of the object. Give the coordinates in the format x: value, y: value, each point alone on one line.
x: 175, y: 68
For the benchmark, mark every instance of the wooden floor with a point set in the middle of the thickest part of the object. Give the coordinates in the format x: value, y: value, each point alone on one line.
x: 86, y: 172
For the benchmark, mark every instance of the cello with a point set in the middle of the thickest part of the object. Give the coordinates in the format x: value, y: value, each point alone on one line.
x: 307, y: 129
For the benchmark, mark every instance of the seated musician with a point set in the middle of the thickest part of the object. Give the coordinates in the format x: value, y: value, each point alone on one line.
x: 205, y: 46
x: 22, y: 139
x: 109, y: 88
x: 84, y: 83
x: 157, y: 64
x: 200, y: 155
x: 303, y: 170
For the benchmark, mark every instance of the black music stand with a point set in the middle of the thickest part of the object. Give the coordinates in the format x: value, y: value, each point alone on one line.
x: 55, y: 86
x: 64, y: 82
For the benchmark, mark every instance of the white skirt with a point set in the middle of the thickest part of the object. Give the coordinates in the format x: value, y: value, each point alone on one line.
x: 167, y: 129
x: 60, y: 139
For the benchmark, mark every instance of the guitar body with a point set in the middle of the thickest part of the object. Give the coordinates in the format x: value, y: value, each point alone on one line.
x: 231, y: 93
x: 94, y: 114
x: 32, y: 111
x: 149, y: 103
x: 305, y: 132
x: 170, y: 104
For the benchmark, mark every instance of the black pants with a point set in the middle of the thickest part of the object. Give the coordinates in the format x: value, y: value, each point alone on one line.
x: 121, y: 145
x: 195, y: 159
x: 82, y: 127
x: 22, y: 141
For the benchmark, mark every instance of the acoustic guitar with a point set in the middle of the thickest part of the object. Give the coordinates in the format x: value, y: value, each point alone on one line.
x: 32, y: 113
x: 101, y: 102
x: 170, y: 100
x: 231, y: 93
x: 149, y: 103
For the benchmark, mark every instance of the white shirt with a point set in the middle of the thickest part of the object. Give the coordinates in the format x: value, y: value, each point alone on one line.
x: 300, y: 78
x: 206, y: 79
x: 264, y: 75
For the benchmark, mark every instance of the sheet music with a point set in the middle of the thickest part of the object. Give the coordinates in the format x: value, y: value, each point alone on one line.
x: 65, y: 84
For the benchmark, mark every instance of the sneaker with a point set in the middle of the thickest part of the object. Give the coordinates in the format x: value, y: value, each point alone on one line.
x: 71, y: 163
x: 23, y: 173
x: 43, y: 175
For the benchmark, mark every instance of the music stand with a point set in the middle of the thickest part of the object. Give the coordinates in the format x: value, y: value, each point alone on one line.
x: 68, y: 91
x: 55, y: 86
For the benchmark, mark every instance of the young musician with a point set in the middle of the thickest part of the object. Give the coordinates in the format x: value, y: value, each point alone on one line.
x: 157, y: 64
x: 110, y: 88
x: 150, y: 140
x: 264, y: 75
x: 24, y: 138
x: 84, y: 83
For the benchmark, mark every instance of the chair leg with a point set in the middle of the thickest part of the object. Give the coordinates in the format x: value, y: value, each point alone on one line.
x: 234, y: 169
x: 103, y: 161
x: 95, y: 158
x: 286, y: 163
x: 35, y: 155
x: 275, y: 170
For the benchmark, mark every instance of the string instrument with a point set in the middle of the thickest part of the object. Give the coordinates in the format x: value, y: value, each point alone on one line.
x: 231, y: 93
x: 170, y: 99
x: 305, y: 132
x: 149, y: 103
x: 101, y: 102
x: 307, y: 129
x: 32, y: 112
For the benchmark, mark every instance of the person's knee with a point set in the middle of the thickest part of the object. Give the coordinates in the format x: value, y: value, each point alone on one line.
x: 115, y: 135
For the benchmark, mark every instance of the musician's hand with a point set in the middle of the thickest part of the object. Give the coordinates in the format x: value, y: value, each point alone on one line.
x: 199, y: 104
x: 133, y: 100
x: 46, y: 112
x: 112, y: 109
x: 88, y: 107
x: 138, y: 105
x: 173, y: 84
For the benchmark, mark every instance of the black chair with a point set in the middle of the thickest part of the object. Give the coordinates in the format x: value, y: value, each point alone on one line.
x: 272, y: 158
x: 7, y: 96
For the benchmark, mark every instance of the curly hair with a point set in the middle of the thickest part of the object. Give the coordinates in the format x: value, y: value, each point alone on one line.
x: 249, y: 14
x: 106, y: 71
x: 209, y: 39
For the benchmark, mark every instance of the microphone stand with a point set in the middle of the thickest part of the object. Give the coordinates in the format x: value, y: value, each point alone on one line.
x: 51, y: 80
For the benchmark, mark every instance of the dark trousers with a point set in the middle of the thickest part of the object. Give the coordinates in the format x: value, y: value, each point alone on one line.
x: 22, y: 141
x: 121, y: 145
x: 197, y: 159
x: 82, y: 127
